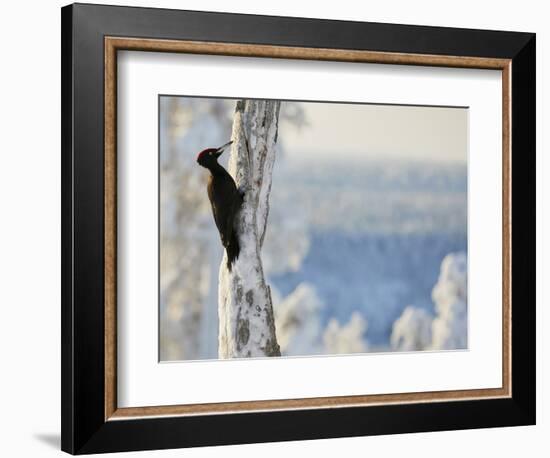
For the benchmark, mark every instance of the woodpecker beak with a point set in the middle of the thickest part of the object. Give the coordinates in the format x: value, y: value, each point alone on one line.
x: 221, y: 149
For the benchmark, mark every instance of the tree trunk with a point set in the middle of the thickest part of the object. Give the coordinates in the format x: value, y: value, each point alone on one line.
x: 247, y: 326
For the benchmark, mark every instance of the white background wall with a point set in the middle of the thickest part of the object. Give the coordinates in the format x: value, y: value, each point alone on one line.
x: 30, y: 226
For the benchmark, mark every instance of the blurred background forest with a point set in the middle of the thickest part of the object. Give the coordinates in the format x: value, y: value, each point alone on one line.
x: 366, y: 242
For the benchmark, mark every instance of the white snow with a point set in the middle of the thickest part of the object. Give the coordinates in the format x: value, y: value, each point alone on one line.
x: 412, y: 330
x: 188, y: 240
x: 415, y: 329
x: 349, y: 338
x: 298, y: 323
x: 450, y: 326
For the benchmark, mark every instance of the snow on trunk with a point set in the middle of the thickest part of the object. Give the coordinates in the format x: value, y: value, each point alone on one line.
x: 247, y: 325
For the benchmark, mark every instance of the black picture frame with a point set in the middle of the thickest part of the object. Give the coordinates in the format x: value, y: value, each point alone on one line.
x: 84, y: 428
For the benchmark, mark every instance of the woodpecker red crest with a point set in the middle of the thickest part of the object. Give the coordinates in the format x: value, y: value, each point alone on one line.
x: 206, y: 152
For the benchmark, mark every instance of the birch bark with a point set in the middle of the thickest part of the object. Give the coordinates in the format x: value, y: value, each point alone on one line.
x: 246, y: 320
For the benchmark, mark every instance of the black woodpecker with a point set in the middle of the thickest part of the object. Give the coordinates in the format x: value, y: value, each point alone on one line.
x: 225, y: 199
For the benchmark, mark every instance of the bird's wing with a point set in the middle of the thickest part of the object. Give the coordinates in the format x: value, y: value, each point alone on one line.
x: 231, y: 218
x: 224, y: 216
x: 227, y: 218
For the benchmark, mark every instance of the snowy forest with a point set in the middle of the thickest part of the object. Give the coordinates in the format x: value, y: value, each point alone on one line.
x: 361, y: 254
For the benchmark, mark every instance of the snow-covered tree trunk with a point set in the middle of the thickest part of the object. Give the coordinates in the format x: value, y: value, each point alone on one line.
x: 247, y: 325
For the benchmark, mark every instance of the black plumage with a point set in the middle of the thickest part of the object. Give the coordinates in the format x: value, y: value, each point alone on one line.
x: 225, y: 200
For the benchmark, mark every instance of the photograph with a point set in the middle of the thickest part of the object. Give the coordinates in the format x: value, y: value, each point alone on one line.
x: 270, y: 219
x: 310, y: 228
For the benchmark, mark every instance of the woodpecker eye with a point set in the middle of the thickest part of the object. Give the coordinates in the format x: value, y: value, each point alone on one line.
x: 211, y: 152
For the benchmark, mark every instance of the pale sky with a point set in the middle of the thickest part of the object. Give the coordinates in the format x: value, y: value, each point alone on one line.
x: 380, y: 131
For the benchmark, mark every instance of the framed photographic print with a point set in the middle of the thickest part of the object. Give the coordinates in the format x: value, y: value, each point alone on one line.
x: 270, y: 222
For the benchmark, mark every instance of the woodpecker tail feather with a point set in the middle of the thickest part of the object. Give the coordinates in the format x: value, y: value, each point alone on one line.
x: 233, y: 248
